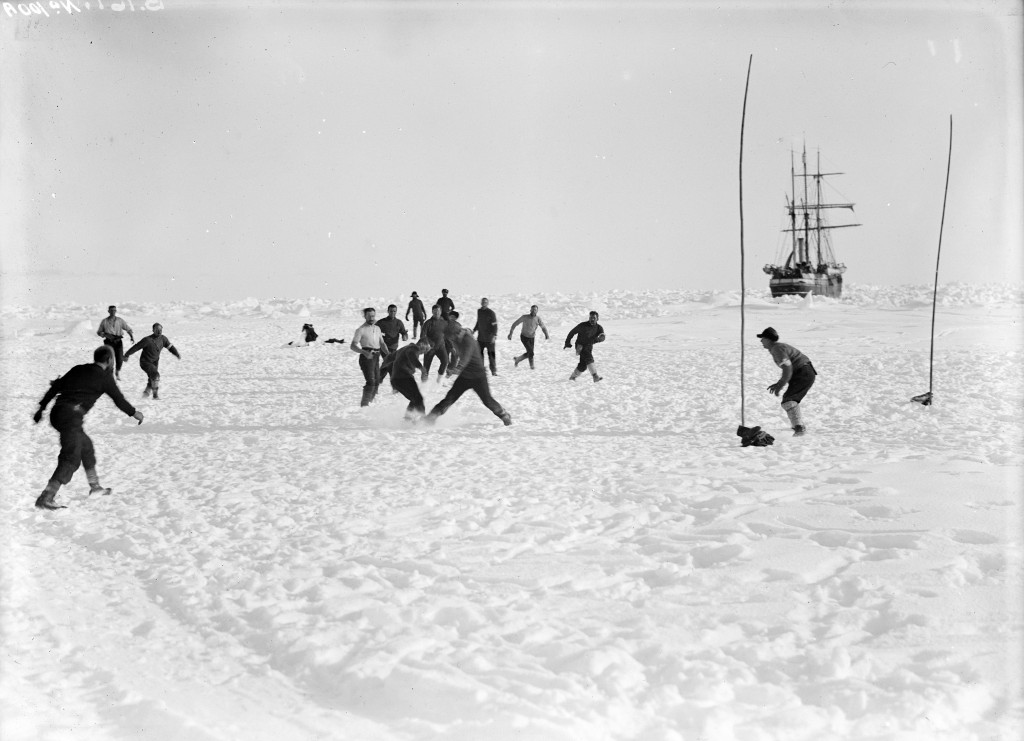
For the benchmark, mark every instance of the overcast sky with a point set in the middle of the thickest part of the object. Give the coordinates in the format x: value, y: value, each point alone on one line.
x: 214, y: 151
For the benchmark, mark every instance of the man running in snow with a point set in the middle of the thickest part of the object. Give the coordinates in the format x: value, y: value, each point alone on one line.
x: 368, y: 341
x: 589, y: 334
x: 76, y: 392
x: 472, y: 374
x: 419, y: 314
x: 149, y: 360
x: 112, y: 330
x: 797, y: 372
x: 403, y: 365
x: 528, y: 333
x: 392, y: 329
x: 433, y: 330
x: 486, y: 329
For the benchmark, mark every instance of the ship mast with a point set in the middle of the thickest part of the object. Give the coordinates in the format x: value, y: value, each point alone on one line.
x: 807, y: 212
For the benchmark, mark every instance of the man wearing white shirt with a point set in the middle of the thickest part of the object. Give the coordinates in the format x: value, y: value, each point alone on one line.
x: 368, y: 341
x: 112, y: 328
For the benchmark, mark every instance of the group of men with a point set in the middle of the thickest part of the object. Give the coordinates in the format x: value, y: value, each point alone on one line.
x: 459, y: 353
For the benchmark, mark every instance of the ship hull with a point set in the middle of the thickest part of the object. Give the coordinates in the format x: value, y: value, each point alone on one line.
x: 816, y: 284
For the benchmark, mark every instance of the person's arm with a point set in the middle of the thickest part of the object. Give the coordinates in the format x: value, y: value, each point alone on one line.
x: 100, y: 331
x: 494, y: 324
x: 540, y: 323
x: 600, y: 334
x: 51, y: 392
x: 407, y: 310
x: 110, y: 389
x: 403, y: 332
x: 131, y: 335
x: 515, y: 324
x: 173, y: 350
x: 787, y: 373
x: 135, y: 347
x: 572, y: 333
x: 355, y: 346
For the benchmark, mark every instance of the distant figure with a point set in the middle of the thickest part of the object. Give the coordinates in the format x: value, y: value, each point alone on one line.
x: 369, y: 343
x: 471, y: 375
x: 528, y: 333
x: 149, y: 360
x: 392, y: 328
x: 446, y: 304
x: 797, y: 372
x: 112, y: 330
x: 590, y: 333
x: 307, y: 336
x: 76, y: 392
x: 419, y: 313
x: 486, y: 329
x: 403, y: 365
x: 451, y: 333
x: 434, y: 330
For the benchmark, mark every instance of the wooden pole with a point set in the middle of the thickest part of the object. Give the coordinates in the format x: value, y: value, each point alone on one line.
x: 743, y: 281
x: 935, y: 292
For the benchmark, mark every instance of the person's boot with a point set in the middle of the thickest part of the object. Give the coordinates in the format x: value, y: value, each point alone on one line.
x: 575, y: 375
x: 795, y: 418
x: 517, y: 360
x: 531, y: 364
x: 46, y: 499
x: 506, y: 418
x: 147, y: 391
x: 593, y: 371
x: 101, y: 490
x: 95, y: 487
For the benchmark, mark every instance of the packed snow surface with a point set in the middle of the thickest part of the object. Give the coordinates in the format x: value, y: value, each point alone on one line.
x: 278, y: 563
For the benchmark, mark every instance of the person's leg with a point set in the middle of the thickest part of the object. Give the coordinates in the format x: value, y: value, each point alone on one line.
x: 366, y: 366
x: 492, y: 355
x: 407, y: 387
x: 797, y: 389
x: 528, y: 343
x: 428, y: 358
x: 375, y: 373
x: 153, y: 378
x: 458, y: 388
x: 443, y: 360
x: 67, y: 420
x: 118, y: 356
x: 483, y: 390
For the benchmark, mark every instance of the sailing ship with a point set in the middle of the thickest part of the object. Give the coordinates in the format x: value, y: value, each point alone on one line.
x: 810, y: 265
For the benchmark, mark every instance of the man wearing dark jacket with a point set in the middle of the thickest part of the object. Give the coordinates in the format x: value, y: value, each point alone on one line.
x: 446, y: 304
x: 419, y: 313
x: 403, y: 364
x: 149, y: 359
x: 76, y: 392
x: 392, y: 328
x: 471, y: 375
x: 588, y: 334
x: 434, y: 331
x: 486, y: 329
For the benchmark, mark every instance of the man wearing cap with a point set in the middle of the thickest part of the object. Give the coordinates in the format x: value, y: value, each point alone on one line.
x: 112, y: 329
x: 368, y: 341
x: 419, y: 313
x: 446, y: 304
x: 588, y: 334
x: 797, y: 372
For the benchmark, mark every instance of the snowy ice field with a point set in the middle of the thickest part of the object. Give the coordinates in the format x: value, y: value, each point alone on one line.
x: 277, y: 563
